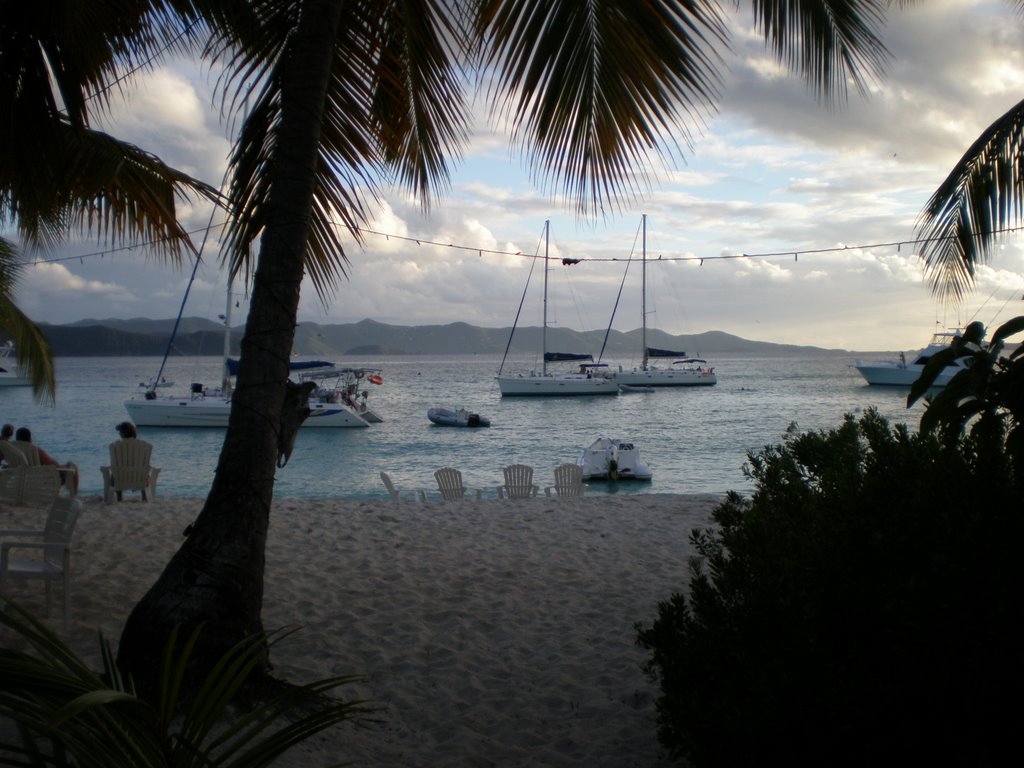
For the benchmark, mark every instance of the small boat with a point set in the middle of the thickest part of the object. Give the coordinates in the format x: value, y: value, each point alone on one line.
x: 901, y: 373
x: 611, y: 459
x: 627, y: 388
x: 446, y: 417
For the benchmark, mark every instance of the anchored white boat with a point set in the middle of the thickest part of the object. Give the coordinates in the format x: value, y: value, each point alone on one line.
x: 211, y: 407
x: 611, y: 459
x: 901, y: 373
x: 589, y: 379
x: 10, y: 374
x: 683, y: 372
x: 345, y: 385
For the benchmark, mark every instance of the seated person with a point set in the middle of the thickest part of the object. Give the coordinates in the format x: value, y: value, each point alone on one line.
x: 23, y: 438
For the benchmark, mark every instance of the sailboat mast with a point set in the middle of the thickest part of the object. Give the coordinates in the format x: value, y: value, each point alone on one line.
x: 225, y: 373
x: 544, y: 331
x: 643, y: 295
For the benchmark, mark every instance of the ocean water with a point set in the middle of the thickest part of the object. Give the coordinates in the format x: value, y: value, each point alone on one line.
x: 694, y: 439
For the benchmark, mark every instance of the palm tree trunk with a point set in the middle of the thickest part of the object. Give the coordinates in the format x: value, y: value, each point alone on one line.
x: 216, y: 577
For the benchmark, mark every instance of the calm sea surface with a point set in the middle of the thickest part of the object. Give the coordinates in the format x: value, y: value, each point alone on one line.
x: 694, y: 439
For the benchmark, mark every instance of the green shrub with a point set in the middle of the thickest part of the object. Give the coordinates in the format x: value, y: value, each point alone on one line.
x: 863, y: 606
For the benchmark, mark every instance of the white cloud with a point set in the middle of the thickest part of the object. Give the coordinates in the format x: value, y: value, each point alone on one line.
x: 772, y: 172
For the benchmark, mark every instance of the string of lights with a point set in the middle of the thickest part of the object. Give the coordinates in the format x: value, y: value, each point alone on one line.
x: 788, y: 253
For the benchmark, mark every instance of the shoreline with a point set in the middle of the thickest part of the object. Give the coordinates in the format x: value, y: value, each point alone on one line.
x: 490, y: 633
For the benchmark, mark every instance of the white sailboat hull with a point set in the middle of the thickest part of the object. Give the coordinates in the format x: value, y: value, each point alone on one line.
x: 556, y: 385
x: 665, y: 377
x: 214, y: 412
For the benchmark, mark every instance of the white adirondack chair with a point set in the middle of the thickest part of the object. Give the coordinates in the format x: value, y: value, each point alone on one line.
x: 518, y: 482
x: 568, y: 481
x: 129, y: 470
x: 449, y: 483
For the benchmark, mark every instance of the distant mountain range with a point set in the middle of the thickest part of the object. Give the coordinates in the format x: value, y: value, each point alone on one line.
x: 367, y: 338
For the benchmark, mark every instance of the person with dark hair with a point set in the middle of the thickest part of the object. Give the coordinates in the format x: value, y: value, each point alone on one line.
x: 126, y: 430
x: 23, y: 440
x: 7, y: 432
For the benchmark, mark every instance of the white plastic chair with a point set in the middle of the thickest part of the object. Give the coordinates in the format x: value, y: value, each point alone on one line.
x: 393, y: 492
x: 129, y: 470
x: 449, y: 483
x: 52, y: 547
x: 24, y: 484
x: 568, y: 481
x: 518, y: 482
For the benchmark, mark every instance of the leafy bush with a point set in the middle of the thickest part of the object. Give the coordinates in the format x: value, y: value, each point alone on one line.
x: 863, y: 606
x: 68, y: 715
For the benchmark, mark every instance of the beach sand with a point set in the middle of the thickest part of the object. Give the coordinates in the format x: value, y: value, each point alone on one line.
x: 492, y: 633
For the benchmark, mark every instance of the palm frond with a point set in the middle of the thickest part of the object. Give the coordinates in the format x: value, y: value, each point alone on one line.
x: 418, y: 105
x: 829, y: 42
x: 982, y: 195
x: 593, y: 89
x: 31, y: 349
x: 392, y: 102
x: 92, y: 719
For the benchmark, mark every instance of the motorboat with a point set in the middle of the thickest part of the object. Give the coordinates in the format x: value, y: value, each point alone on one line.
x: 612, y: 459
x: 683, y: 372
x: 11, y: 374
x: 902, y: 373
x: 203, y: 406
x: 446, y: 417
x: 346, y: 385
x: 589, y: 378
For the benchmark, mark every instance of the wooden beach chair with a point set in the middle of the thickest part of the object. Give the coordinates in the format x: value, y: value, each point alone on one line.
x: 518, y: 482
x: 393, y: 492
x: 38, y: 488
x: 129, y: 470
x: 51, y: 547
x: 24, y: 484
x: 449, y: 483
x: 568, y: 481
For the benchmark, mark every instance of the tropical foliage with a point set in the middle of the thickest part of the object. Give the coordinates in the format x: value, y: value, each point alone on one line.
x: 340, y: 97
x: 860, y: 607
x: 59, y: 61
x: 69, y: 715
x: 31, y: 349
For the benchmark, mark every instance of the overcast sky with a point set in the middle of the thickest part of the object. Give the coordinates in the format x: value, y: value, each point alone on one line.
x: 773, y: 171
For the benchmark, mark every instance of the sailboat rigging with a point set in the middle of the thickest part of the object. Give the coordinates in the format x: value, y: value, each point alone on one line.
x: 590, y: 379
x: 683, y: 372
x: 211, y: 407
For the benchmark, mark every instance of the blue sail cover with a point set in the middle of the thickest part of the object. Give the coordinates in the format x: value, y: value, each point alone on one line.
x: 655, y: 352
x: 555, y: 357
x: 294, y: 365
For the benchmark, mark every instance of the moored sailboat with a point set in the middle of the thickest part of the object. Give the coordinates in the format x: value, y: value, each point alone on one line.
x: 683, y: 372
x: 211, y: 406
x: 590, y: 378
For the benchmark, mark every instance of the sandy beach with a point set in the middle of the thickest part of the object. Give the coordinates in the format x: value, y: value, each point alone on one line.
x: 493, y: 633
